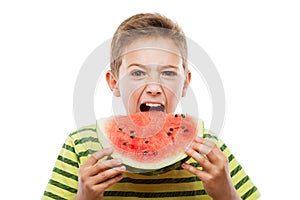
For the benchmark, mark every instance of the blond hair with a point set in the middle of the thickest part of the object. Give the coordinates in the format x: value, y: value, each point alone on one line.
x: 145, y: 25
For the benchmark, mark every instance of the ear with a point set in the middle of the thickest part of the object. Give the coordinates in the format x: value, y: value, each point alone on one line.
x: 186, y: 83
x: 112, y: 83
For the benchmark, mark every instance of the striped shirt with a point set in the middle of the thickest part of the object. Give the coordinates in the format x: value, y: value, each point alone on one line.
x: 175, y: 184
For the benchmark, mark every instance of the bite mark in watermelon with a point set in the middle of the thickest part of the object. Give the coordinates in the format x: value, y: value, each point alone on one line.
x: 149, y: 141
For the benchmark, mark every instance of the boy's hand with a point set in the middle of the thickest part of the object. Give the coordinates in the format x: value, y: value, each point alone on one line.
x: 95, y: 177
x: 215, y: 171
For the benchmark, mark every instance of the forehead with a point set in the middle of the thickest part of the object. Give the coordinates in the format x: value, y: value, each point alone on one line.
x: 152, y: 51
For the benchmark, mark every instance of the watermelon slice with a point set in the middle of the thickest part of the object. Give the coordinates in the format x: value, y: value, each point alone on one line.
x: 149, y: 142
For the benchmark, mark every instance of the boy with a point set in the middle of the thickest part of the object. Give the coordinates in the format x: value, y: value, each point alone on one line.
x: 148, y: 71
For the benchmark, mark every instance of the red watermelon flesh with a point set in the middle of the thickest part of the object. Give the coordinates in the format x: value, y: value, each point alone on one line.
x: 148, y: 140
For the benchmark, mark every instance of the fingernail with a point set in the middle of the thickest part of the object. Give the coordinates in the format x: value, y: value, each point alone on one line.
x: 109, y: 149
x: 122, y: 168
x: 187, y: 148
x: 119, y: 161
x: 197, y: 139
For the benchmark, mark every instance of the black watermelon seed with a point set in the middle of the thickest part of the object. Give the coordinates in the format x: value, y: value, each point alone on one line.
x: 182, y: 115
x: 186, y: 130
x: 146, y: 141
x: 120, y: 129
x: 132, y: 136
x: 155, y: 153
x: 169, y: 133
x: 182, y: 127
x: 176, y: 115
x: 124, y: 143
x: 171, y: 129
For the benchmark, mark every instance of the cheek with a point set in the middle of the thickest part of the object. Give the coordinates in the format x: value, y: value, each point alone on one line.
x: 173, y: 94
x: 174, y: 88
x: 130, y: 90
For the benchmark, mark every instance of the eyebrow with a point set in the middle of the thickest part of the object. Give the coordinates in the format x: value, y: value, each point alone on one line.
x: 145, y: 66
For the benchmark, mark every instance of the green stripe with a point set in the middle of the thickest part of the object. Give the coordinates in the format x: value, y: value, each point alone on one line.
x: 194, y: 164
x: 241, y: 182
x: 69, y: 148
x: 210, y: 136
x: 247, y: 194
x: 53, y: 196
x: 84, y: 129
x: 223, y: 147
x: 154, y: 194
x: 85, y: 153
x: 66, y: 174
x: 86, y: 139
x: 230, y: 158
x: 235, y: 170
x: 62, y: 186
x: 159, y: 181
x: 68, y: 161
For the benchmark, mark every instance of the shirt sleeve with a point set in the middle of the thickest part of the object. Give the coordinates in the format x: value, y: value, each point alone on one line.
x: 241, y: 181
x: 64, y: 178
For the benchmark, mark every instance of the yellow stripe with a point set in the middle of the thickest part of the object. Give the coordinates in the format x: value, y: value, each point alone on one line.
x: 238, y: 177
x: 66, y: 167
x: 175, y: 187
x: 46, y: 198
x: 60, y: 192
x: 226, y: 152
x: 69, y: 155
x: 170, y: 174
x: 245, y: 187
x: 67, y: 181
x: 233, y: 164
x: 203, y: 197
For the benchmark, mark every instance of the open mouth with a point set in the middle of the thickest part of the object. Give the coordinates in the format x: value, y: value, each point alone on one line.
x: 145, y: 107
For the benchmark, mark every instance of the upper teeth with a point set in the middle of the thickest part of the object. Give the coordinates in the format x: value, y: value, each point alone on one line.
x: 153, y: 104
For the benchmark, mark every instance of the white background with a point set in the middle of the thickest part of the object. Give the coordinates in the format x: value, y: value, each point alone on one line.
x: 255, y: 46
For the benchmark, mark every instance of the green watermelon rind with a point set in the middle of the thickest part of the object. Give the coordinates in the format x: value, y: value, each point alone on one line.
x: 167, y: 165
x: 151, y: 172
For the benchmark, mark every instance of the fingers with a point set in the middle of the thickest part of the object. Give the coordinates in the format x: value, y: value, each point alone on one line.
x: 95, y: 177
x: 98, y: 155
x: 205, y: 152
x: 101, y: 171
x: 207, y: 148
x: 107, y: 175
x: 215, y: 172
x: 199, y: 173
x: 195, y: 153
x: 204, y: 141
x: 104, y: 165
x: 108, y: 183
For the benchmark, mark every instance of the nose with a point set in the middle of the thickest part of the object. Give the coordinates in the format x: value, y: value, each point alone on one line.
x: 153, y: 89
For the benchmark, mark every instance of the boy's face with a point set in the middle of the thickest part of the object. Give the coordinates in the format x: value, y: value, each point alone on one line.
x: 151, y: 76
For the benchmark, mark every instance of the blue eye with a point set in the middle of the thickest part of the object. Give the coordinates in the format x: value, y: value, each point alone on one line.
x: 138, y: 73
x: 169, y: 73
